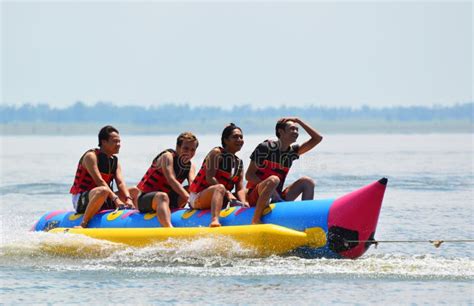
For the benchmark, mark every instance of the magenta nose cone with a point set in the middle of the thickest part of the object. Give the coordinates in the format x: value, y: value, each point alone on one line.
x: 354, y: 217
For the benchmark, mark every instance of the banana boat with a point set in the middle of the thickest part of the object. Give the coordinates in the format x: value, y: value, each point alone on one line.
x: 333, y: 228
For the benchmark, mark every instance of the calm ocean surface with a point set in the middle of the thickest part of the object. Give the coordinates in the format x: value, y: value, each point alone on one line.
x: 430, y: 195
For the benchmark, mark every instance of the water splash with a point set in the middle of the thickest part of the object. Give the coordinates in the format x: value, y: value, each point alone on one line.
x: 217, y: 257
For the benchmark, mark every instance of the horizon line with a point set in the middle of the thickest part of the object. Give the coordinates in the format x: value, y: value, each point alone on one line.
x: 229, y: 107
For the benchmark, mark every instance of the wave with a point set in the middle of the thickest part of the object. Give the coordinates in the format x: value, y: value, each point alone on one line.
x: 36, y: 189
x: 217, y: 257
x: 329, y: 183
x: 416, y: 182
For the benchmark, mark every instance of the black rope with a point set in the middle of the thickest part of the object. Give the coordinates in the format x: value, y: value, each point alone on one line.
x: 435, y: 243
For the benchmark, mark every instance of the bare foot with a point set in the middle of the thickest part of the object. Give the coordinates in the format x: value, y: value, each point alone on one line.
x: 257, y: 221
x: 215, y: 223
x: 82, y: 225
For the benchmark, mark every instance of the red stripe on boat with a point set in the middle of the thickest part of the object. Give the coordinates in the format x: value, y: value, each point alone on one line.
x: 105, y: 211
x: 129, y: 213
x: 241, y: 210
x: 203, y: 212
x: 55, y: 213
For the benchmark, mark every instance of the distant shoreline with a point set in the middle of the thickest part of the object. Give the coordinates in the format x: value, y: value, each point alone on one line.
x: 263, y: 127
x: 80, y: 119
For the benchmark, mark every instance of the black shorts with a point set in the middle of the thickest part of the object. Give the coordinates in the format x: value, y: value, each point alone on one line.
x: 145, y: 201
x: 83, y: 201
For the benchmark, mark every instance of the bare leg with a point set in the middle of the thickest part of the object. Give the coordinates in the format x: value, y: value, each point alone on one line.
x: 265, y: 190
x: 182, y: 202
x: 97, y: 197
x: 216, y: 205
x: 304, y: 186
x: 161, y: 204
x: 212, y: 197
x: 134, y: 193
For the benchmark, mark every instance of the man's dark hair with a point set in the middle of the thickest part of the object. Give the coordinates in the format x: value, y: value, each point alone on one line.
x: 281, y: 124
x: 228, y: 131
x: 105, y: 132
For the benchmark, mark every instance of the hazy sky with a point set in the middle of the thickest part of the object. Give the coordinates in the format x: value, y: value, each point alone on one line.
x: 228, y: 53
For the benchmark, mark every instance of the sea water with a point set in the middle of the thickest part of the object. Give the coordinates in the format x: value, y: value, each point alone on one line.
x: 430, y: 195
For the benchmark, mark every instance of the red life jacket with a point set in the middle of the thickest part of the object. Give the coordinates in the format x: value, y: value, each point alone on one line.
x: 154, y: 178
x: 83, y: 180
x: 272, y: 161
x: 224, y: 176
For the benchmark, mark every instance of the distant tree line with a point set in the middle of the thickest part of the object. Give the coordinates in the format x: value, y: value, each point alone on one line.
x: 177, y: 114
